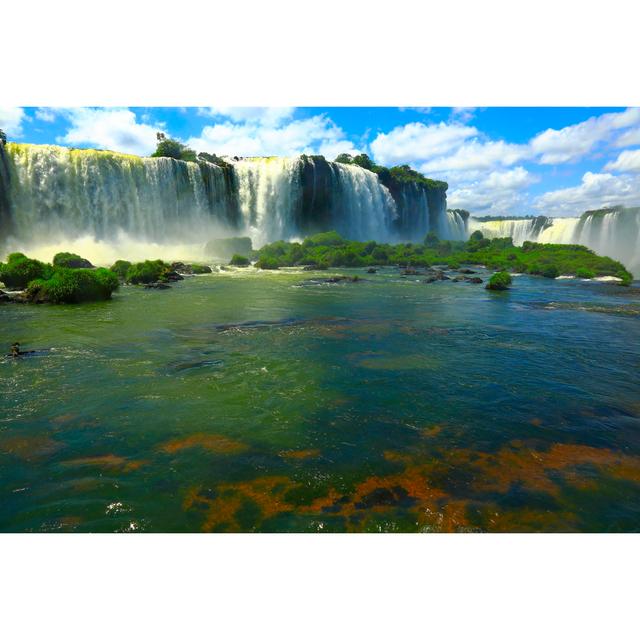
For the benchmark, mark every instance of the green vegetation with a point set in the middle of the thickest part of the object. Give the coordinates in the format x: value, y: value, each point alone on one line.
x: 267, y: 262
x: 120, y: 268
x: 199, y: 269
x: 19, y: 270
x: 581, y: 272
x: 73, y: 285
x: 71, y: 261
x: 212, y: 158
x: 499, y: 281
x: 550, y: 260
x: 147, y: 272
x: 239, y: 261
x: 393, y: 177
x: 224, y: 248
x: 170, y: 148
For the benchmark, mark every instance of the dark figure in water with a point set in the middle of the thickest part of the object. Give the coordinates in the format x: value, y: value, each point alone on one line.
x: 16, y: 353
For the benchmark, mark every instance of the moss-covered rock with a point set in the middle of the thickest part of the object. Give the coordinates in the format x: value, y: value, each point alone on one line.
x: 71, y: 261
x: 499, y: 281
x: 239, y: 261
x: 19, y: 271
x: 73, y: 285
x: 148, y: 271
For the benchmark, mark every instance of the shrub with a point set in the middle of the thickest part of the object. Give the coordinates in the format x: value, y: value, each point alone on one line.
x: 74, y: 285
x: 170, y: 148
x: 239, y: 261
x: 147, y: 272
x: 582, y: 272
x: 550, y: 271
x: 499, y: 281
x: 268, y: 262
x: 71, y: 261
x: 19, y: 270
x: 328, y: 239
x: 120, y: 268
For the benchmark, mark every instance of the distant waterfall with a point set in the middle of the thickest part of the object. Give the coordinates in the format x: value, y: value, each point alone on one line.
x: 614, y: 233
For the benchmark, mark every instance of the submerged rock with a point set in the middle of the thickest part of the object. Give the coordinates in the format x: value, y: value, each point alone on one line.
x: 465, y: 270
x: 372, y: 270
x: 157, y: 285
x: 332, y: 280
x: 475, y: 280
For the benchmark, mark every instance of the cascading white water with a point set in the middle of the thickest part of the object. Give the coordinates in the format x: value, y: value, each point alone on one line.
x: 105, y: 204
x: 269, y: 193
x: 453, y: 226
x: 615, y: 234
x: 366, y: 208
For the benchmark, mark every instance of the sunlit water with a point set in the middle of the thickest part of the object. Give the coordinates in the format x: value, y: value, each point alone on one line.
x: 251, y: 401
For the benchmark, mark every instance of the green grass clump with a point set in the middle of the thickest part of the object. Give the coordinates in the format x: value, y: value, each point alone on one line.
x: 239, y: 261
x: 199, y: 269
x: 581, y: 272
x: 120, y: 268
x: 147, y: 272
x: 499, y: 281
x: 268, y: 262
x: 19, y: 270
x: 71, y: 261
x: 73, y: 285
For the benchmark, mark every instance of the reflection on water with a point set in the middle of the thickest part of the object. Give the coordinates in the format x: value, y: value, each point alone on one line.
x: 245, y: 402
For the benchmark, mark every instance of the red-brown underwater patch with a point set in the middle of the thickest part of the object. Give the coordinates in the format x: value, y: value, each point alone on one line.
x: 210, y: 441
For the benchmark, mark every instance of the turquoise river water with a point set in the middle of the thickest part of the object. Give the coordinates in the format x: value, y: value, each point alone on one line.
x: 255, y: 401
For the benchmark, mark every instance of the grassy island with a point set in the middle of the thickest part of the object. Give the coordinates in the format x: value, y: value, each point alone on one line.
x: 329, y: 249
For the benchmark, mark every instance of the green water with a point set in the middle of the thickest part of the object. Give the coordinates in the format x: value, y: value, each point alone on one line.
x: 247, y: 401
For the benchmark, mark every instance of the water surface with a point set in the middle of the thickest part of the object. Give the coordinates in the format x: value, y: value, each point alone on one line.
x: 246, y: 401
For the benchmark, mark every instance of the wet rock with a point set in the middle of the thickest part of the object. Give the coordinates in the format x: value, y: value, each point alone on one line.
x: 157, y: 285
x: 172, y: 276
x: 372, y: 270
x: 459, y: 279
x: 475, y: 280
x: 466, y: 270
x: 410, y: 272
x: 332, y: 280
x: 436, y: 276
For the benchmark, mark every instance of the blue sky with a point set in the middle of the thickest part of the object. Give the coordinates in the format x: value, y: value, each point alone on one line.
x: 497, y: 161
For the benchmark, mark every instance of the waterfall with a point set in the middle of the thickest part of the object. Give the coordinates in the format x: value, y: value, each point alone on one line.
x: 269, y: 195
x: 453, y: 226
x: 614, y: 233
x: 107, y: 205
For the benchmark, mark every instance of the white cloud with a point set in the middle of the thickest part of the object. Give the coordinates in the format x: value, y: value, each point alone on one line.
x: 268, y: 116
x: 45, y: 114
x: 463, y: 114
x: 252, y: 138
x: 11, y: 119
x: 596, y: 190
x: 476, y: 155
x: 555, y: 146
x: 626, y: 161
x: 110, y: 128
x: 499, y: 193
x: 629, y: 138
x: 417, y: 142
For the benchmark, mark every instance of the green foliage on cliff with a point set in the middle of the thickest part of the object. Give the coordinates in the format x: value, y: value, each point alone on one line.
x: 73, y: 285
x: 548, y: 260
x: 3, y: 137
x: 499, y: 281
x: 171, y: 148
x: 394, y: 176
x: 19, y: 270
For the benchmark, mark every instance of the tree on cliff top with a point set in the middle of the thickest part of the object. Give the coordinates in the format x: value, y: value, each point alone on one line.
x: 171, y: 148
